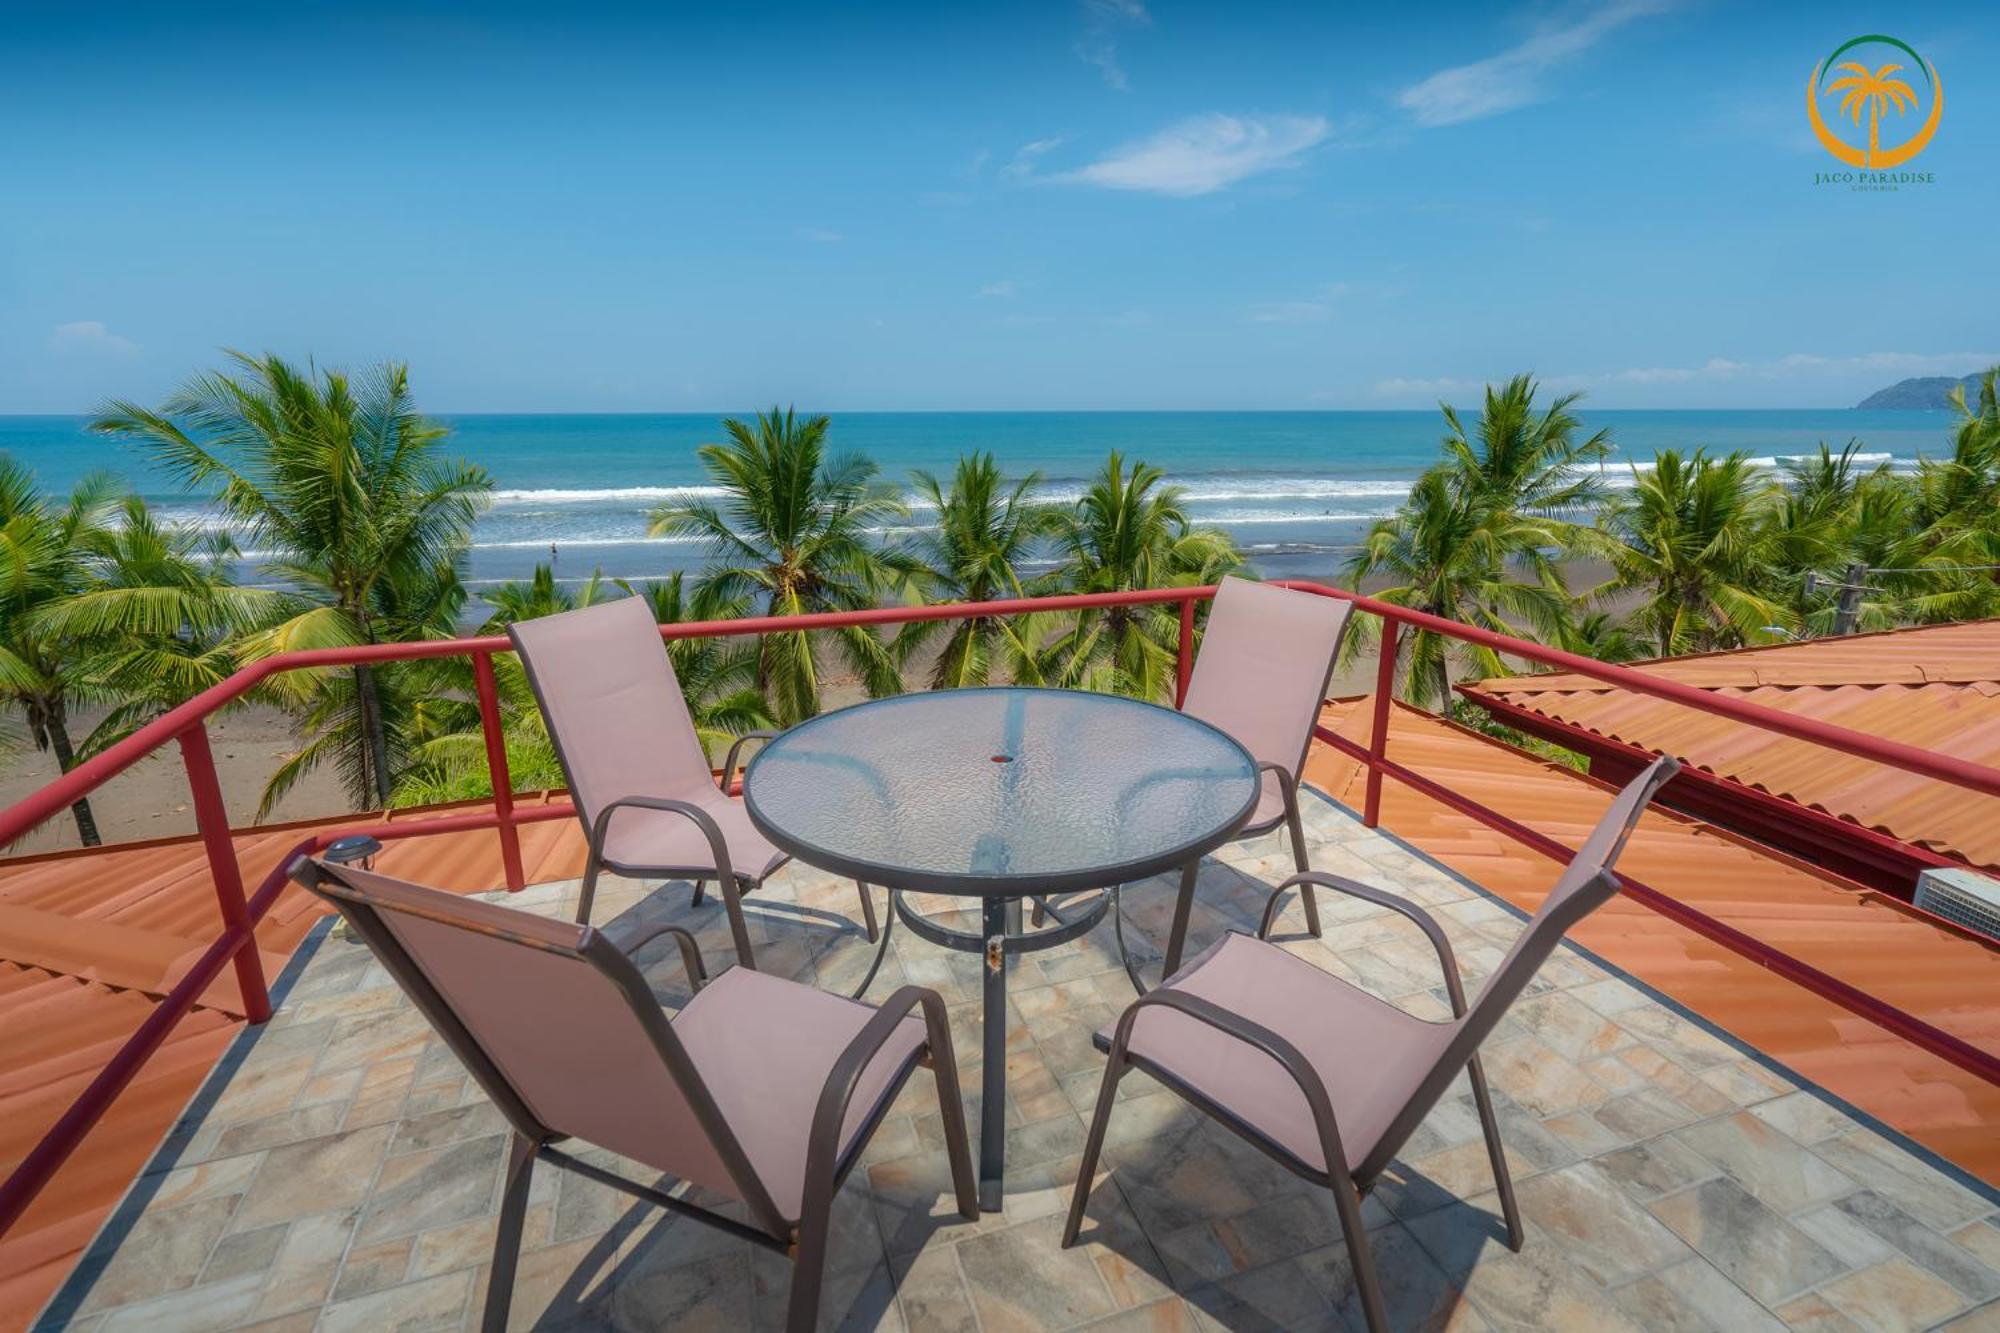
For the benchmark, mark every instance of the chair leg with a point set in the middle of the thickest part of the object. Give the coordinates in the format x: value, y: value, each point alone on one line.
x: 592, y: 868
x: 507, y: 1244
x: 1347, y: 1202
x: 1100, y: 1120
x: 951, y: 1106
x: 1502, y: 1179
x: 867, y: 911
x: 1295, y: 826
x: 700, y: 890
x: 809, y: 1256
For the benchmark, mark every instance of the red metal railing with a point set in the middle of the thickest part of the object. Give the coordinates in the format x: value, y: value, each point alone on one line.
x: 186, y: 725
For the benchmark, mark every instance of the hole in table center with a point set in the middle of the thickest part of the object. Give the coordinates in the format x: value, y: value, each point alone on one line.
x: 1002, y: 758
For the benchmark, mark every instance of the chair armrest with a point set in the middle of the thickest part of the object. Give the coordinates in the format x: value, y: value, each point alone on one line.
x: 1252, y: 1034
x: 834, y: 1095
x: 1354, y: 888
x: 718, y: 847
x: 735, y: 749
x: 697, y: 970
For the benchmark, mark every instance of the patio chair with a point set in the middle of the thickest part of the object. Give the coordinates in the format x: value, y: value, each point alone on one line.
x: 1261, y: 676
x: 1321, y: 1075
x: 761, y: 1090
x: 628, y: 748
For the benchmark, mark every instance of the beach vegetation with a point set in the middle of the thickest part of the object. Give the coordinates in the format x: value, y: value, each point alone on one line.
x: 1694, y: 544
x: 793, y: 530
x: 1484, y: 535
x: 988, y: 529
x: 1128, y: 531
x: 345, y: 494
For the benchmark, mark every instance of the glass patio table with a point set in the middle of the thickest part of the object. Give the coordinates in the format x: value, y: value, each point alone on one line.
x: 1003, y: 794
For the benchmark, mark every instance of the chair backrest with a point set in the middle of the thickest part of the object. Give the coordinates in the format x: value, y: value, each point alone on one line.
x: 1584, y: 885
x: 1264, y: 663
x: 613, y: 705
x: 556, y: 1024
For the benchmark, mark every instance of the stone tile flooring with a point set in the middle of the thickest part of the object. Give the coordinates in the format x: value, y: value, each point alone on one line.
x: 342, y: 1171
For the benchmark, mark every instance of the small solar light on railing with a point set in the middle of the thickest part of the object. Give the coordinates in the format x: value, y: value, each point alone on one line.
x: 355, y: 849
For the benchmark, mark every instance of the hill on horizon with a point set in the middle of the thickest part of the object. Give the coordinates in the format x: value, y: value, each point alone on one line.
x: 1924, y: 391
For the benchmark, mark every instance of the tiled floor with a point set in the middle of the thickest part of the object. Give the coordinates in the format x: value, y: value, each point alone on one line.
x: 343, y: 1172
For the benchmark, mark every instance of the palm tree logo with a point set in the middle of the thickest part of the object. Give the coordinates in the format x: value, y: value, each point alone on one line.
x: 1873, y: 92
x: 1876, y: 93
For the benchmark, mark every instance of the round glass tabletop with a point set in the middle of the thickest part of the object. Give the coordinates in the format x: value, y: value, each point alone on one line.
x: 1000, y: 791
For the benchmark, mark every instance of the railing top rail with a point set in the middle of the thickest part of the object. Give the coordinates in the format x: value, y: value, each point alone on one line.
x: 51, y: 800
x: 1865, y: 745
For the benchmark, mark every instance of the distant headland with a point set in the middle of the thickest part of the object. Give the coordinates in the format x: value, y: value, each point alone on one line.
x: 1925, y: 391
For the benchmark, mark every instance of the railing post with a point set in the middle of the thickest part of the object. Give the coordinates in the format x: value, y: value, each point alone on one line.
x: 1184, y: 662
x: 1378, y: 739
x: 211, y: 819
x: 496, y: 768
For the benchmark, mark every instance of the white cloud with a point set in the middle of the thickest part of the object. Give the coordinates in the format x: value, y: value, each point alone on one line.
x: 1023, y: 162
x: 1103, y: 21
x: 1204, y: 154
x: 1795, y: 367
x: 1512, y: 78
x: 90, y: 335
x: 820, y: 236
x: 1001, y: 290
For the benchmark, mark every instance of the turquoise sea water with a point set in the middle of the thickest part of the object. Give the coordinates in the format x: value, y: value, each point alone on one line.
x: 1294, y: 488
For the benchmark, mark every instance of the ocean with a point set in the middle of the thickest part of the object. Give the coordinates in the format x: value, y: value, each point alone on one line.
x: 1296, y: 489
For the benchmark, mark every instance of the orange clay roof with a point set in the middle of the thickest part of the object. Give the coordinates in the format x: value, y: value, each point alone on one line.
x: 89, y: 941
x: 1937, y: 687
x: 1950, y: 980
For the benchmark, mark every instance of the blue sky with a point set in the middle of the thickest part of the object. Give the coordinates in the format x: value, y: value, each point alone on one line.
x: 1111, y: 204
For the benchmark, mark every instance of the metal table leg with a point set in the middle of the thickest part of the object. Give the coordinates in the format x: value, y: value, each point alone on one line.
x: 1000, y: 936
x: 996, y: 914
x: 1177, y: 937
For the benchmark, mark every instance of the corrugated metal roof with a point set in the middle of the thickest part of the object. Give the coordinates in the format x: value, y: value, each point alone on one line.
x: 1947, y: 979
x: 1935, y: 687
x: 89, y: 941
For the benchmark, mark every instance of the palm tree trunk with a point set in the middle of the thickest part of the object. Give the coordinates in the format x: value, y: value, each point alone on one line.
x: 57, y: 727
x: 371, y: 733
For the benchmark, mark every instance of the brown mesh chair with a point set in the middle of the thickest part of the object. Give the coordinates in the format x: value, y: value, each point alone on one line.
x: 1321, y: 1075
x: 1261, y: 676
x: 628, y: 748
x: 760, y: 1089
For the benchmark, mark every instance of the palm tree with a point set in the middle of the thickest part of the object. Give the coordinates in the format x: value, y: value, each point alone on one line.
x: 343, y: 482
x: 1604, y: 635
x: 1693, y: 539
x: 793, y: 535
x: 986, y: 528
x: 155, y: 617
x: 1484, y: 532
x: 1812, y: 520
x: 1128, y: 532
x: 1874, y: 93
x: 1454, y: 552
x: 1518, y: 462
x: 41, y: 566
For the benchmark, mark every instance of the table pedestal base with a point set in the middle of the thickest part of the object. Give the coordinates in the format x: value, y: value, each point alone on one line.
x: 1000, y: 936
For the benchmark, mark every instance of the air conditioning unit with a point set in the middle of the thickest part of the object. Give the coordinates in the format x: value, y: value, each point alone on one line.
x: 1965, y: 896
